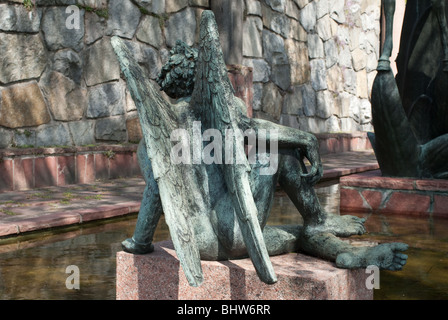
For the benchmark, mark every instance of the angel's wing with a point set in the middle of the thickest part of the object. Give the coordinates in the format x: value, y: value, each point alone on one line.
x: 214, y: 101
x: 158, y: 121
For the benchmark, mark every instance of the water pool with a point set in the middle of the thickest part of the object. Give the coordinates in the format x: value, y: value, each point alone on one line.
x: 34, y: 266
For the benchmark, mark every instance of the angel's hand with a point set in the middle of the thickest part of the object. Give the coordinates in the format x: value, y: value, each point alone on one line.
x: 311, y: 152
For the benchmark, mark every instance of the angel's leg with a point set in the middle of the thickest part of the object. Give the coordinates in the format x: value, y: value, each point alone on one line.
x: 299, y: 185
x: 385, y: 256
x: 320, y: 239
x: 327, y: 246
x: 389, y: 11
x: 150, y: 209
x: 292, y: 238
x: 316, y: 220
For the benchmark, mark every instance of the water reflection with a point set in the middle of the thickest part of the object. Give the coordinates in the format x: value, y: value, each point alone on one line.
x: 33, y: 267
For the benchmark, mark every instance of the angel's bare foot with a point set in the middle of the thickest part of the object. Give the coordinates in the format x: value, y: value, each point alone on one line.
x: 340, y: 226
x: 385, y: 256
x: 130, y: 246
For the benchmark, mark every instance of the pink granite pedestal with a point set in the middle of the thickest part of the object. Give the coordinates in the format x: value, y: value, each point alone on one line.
x: 158, y: 276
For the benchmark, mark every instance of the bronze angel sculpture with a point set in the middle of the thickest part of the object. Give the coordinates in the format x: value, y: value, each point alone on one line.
x: 219, y: 211
x: 410, y: 111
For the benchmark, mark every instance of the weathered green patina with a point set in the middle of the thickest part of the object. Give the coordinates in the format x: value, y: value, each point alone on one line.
x: 410, y: 112
x: 220, y: 211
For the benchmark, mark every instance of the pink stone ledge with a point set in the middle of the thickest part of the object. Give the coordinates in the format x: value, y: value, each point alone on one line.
x: 158, y: 276
x: 331, y: 174
x: 370, y: 192
x: 18, y: 225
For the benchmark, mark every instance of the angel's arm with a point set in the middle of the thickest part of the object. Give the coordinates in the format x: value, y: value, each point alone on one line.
x: 294, y: 139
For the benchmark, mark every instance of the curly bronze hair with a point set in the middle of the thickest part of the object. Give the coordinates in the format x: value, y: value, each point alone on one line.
x: 177, y: 76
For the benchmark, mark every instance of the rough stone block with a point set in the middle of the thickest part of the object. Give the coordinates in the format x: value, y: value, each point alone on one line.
x: 96, y: 4
x: 299, y: 61
x: 252, y: 42
x: 276, y: 55
x: 315, y: 47
x: 154, y: 6
x: 95, y: 27
x: 272, y: 101
x: 149, y: 31
x: 24, y: 138
x: 181, y: 25
x: 6, y: 138
x: 45, y: 3
x: 134, y: 130
x: 253, y: 7
x: 318, y: 74
x: 276, y: 21
x: 19, y: 19
x: 101, y: 64
x: 53, y: 135
x: 69, y: 63
x: 23, y: 57
x: 175, y: 5
x: 124, y: 17
x: 106, y: 100
x: 111, y: 129
x: 297, y: 32
x: 23, y: 105
x: 83, y: 132
x: 278, y: 6
x: 158, y: 276
x: 66, y: 100
x: 57, y: 35
x: 308, y: 16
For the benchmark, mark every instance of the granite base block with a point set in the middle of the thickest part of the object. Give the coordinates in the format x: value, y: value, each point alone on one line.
x: 158, y: 276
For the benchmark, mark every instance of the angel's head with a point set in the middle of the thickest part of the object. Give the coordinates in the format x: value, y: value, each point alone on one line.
x: 177, y: 76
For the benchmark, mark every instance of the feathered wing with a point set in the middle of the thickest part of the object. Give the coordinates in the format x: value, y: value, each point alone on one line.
x: 157, y: 122
x: 213, y: 101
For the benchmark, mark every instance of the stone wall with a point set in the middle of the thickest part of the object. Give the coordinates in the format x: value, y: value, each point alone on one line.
x: 313, y: 64
x: 314, y: 61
